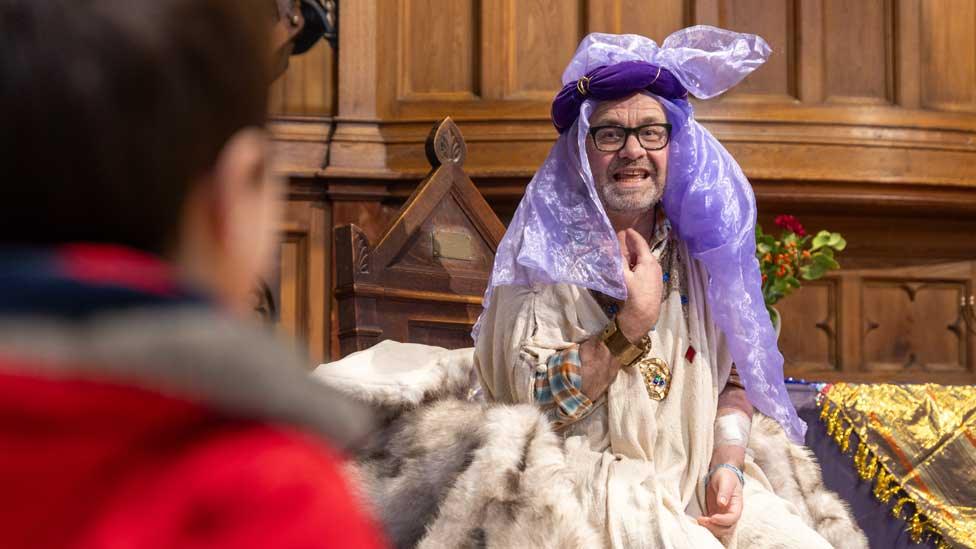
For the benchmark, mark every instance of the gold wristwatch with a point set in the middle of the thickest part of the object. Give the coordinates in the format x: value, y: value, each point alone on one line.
x: 620, y: 347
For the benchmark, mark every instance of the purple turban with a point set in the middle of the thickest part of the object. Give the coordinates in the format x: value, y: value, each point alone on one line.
x: 613, y: 82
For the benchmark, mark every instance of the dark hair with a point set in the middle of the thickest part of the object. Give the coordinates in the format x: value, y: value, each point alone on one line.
x: 111, y: 109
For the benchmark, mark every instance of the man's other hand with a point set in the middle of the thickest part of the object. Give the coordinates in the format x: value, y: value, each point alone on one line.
x: 723, y: 499
x: 643, y: 277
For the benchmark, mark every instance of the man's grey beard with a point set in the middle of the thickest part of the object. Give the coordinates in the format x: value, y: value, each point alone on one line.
x: 615, y: 200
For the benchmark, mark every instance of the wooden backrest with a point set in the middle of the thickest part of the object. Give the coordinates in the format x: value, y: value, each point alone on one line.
x: 424, y: 281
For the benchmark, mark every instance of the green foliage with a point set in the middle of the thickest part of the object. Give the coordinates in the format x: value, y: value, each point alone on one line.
x: 783, y: 262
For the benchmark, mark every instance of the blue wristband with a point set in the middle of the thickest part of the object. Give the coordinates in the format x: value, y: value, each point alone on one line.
x: 729, y: 466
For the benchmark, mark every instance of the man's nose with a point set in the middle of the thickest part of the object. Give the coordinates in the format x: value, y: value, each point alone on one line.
x: 632, y: 148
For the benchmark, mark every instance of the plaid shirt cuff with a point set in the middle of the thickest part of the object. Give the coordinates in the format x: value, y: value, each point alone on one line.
x: 559, y: 385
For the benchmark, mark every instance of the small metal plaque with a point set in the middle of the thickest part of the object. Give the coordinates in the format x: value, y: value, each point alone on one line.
x: 453, y: 245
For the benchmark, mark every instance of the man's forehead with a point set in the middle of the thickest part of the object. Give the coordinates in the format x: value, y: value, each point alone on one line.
x: 638, y: 105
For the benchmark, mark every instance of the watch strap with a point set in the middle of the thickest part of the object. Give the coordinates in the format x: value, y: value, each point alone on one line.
x: 622, y: 348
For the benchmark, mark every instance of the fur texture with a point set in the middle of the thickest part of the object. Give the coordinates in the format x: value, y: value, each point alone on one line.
x: 464, y: 474
x: 795, y: 476
x: 451, y: 472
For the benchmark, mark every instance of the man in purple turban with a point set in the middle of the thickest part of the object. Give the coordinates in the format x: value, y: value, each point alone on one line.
x: 625, y: 301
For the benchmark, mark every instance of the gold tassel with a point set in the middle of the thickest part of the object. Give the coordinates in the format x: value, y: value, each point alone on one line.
x: 917, y: 526
x: 846, y: 446
x: 865, y: 463
x: 885, y: 485
x: 896, y: 510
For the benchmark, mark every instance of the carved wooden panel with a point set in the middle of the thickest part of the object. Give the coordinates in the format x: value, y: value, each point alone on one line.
x: 423, y: 281
x: 633, y: 17
x: 948, y: 55
x: 447, y: 241
x: 914, y: 325
x: 900, y: 324
x: 439, y: 49
x: 809, y: 335
x: 858, y: 55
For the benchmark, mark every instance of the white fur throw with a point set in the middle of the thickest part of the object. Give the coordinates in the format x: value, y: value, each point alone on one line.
x: 446, y: 471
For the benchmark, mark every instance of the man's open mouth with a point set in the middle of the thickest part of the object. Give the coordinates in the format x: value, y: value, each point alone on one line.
x: 631, y: 174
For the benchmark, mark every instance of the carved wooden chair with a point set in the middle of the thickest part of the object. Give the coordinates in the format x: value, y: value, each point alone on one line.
x: 424, y: 281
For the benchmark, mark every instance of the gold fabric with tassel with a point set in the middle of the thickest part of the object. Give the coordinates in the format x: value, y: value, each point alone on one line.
x: 918, y: 444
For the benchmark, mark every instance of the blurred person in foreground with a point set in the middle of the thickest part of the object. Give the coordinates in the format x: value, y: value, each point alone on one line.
x: 137, y: 407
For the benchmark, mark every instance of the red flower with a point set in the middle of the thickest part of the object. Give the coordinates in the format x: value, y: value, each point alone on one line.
x: 790, y: 223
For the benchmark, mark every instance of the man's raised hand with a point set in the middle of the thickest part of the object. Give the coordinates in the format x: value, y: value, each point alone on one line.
x: 643, y: 277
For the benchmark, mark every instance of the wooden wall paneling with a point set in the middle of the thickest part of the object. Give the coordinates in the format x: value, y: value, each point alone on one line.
x: 882, y: 239
x: 851, y: 326
x: 911, y: 325
x: 305, y: 278
x: 302, y: 104
x: 537, y: 40
x: 300, y: 147
x: 948, y: 55
x: 777, y: 120
x: 859, y: 55
x: 776, y: 21
x: 811, y: 69
x: 368, y: 59
x: 809, y: 337
x: 705, y: 12
x: 886, y: 325
x: 847, y: 159
x: 293, y: 286
x: 309, y: 86
x: 439, y: 50
x: 914, y: 326
x: 908, y: 57
x: 363, y: 37
x: 637, y: 17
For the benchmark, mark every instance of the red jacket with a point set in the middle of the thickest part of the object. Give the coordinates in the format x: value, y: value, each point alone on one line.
x: 95, y: 465
x: 132, y: 429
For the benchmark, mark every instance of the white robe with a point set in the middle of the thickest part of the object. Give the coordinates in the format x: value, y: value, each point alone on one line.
x: 638, y: 463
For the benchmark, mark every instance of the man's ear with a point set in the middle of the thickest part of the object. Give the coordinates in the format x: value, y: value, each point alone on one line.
x: 239, y: 171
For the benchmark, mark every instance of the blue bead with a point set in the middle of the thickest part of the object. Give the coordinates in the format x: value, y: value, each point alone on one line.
x: 684, y: 300
x: 667, y: 277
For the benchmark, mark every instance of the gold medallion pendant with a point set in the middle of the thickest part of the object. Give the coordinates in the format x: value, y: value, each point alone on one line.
x: 657, y: 377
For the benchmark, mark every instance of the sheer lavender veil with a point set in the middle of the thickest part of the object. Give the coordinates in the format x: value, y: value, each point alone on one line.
x: 560, y: 232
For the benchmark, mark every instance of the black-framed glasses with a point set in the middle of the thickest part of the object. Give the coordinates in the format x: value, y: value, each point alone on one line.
x: 653, y: 137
